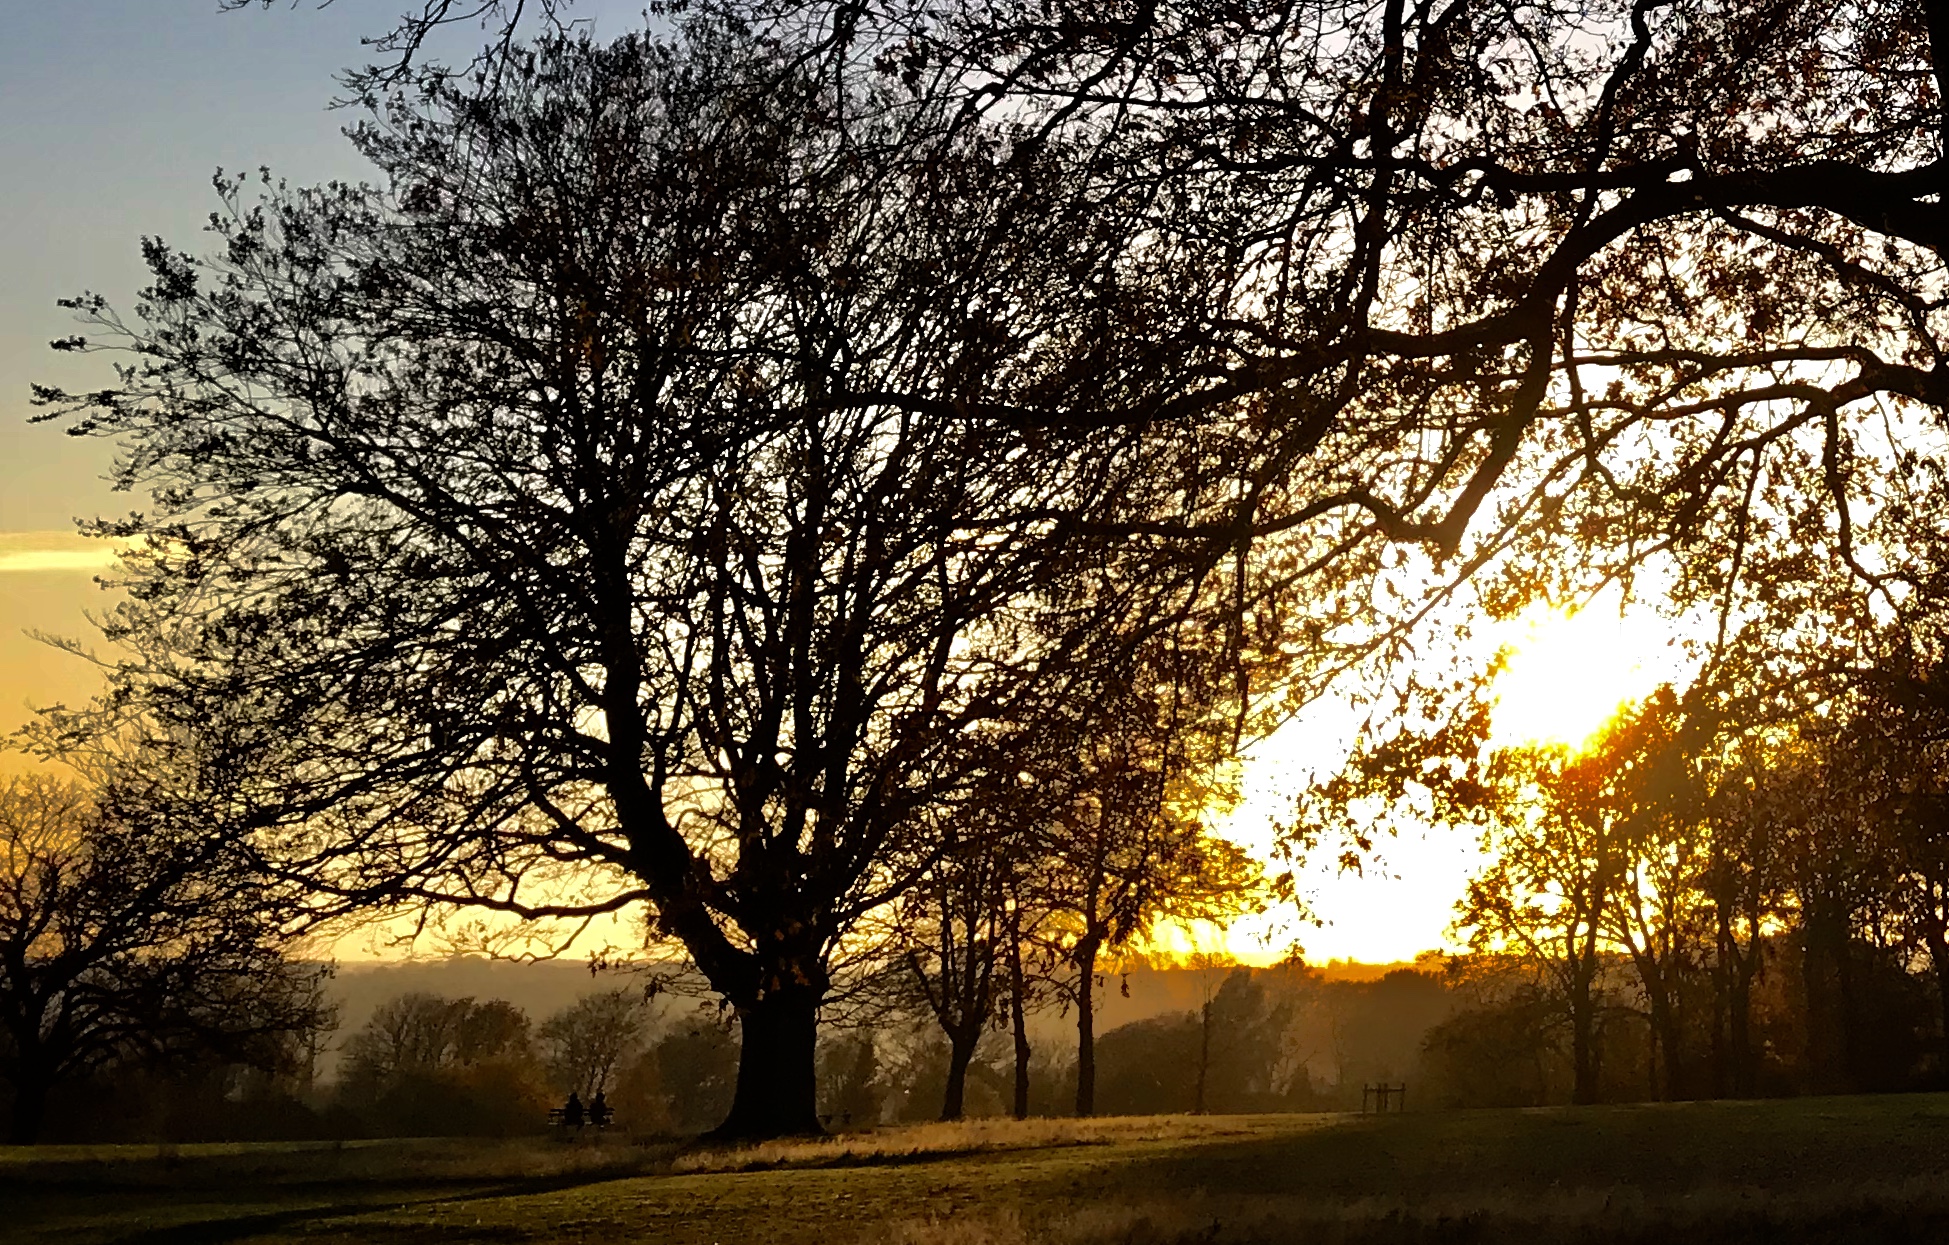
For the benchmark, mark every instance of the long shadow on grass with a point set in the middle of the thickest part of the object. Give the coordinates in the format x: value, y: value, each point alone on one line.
x: 240, y: 1227
x: 1659, y: 1151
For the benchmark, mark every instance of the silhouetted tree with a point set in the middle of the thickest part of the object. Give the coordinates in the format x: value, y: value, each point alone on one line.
x: 1589, y: 852
x: 1129, y: 845
x: 960, y: 912
x: 632, y: 501
x: 1209, y: 971
x: 1742, y: 883
x: 1657, y: 916
x: 1433, y: 260
x: 1555, y: 862
x: 127, y: 935
x: 1593, y: 318
x: 1602, y: 282
x: 1020, y: 931
x: 587, y: 1043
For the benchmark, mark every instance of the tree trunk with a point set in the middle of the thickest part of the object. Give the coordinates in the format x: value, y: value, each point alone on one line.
x: 778, y: 1087
x: 1719, y: 1056
x: 1204, y: 1056
x: 1739, y: 1030
x: 1821, y: 967
x: 30, y: 1110
x: 1583, y: 1048
x: 1018, y: 1016
x: 1723, y: 971
x: 1664, y: 1025
x: 1851, y: 1019
x: 960, y: 1053
x: 1086, y: 1029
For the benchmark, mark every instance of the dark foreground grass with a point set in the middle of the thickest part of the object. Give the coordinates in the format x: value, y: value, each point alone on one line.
x: 1825, y: 1170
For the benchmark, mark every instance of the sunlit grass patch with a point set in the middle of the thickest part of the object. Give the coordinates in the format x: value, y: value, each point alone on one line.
x: 974, y: 1136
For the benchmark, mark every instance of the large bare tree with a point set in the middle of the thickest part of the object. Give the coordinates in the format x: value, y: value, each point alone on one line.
x: 633, y: 501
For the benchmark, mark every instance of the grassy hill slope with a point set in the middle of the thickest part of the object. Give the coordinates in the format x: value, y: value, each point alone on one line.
x: 1856, y: 1169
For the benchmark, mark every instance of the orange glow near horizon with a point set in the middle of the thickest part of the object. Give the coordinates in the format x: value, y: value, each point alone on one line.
x: 1565, y: 676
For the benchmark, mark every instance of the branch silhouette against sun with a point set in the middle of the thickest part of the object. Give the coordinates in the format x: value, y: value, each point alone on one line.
x: 699, y: 439
x: 1560, y: 279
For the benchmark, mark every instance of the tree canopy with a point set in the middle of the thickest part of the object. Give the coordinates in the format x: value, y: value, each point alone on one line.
x: 627, y: 502
x: 127, y: 936
x: 703, y: 449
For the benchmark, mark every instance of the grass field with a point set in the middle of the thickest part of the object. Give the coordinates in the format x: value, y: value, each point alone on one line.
x: 1838, y: 1169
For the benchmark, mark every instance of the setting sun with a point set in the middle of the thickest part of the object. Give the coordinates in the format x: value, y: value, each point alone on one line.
x: 1567, y: 673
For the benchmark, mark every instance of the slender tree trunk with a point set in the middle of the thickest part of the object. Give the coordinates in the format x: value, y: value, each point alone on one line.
x: 1659, y: 979
x: 1086, y: 1028
x: 1018, y: 1017
x: 1739, y: 1032
x: 1583, y: 1046
x: 1850, y: 1017
x: 1824, y: 950
x: 1664, y: 1024
x: 1651, y: 1045
x: 1719, y: 1056
x: 778, y: 1087
x: 1724, y: 969
x: 1583, y: 994
x: 1204, y: 1056
x: 960, y: 1053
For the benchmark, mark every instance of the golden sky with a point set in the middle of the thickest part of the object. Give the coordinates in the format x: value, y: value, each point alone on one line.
x: 47, y: 583
x: 115, y: 124
x: 1565, y: 678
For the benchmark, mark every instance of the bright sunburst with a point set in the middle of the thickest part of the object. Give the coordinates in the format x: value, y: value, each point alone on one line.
x: 1569, y: 672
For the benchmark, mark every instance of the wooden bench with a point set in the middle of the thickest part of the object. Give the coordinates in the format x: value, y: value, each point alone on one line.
x: 591, y: 1118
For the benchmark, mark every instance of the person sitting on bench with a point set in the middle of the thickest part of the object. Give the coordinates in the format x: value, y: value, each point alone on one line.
x: 572, y: 1111
x: 599, y: 1112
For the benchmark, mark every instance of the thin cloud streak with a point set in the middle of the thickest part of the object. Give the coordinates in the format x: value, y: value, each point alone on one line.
x: 54, y: 551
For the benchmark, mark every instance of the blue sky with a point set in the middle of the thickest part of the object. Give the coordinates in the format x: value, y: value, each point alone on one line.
x: 114, y: 116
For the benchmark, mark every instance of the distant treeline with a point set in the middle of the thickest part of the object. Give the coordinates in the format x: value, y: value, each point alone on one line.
x: 1688, y: 906
x: 1460, y: 1031
x: 424, y: 1064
